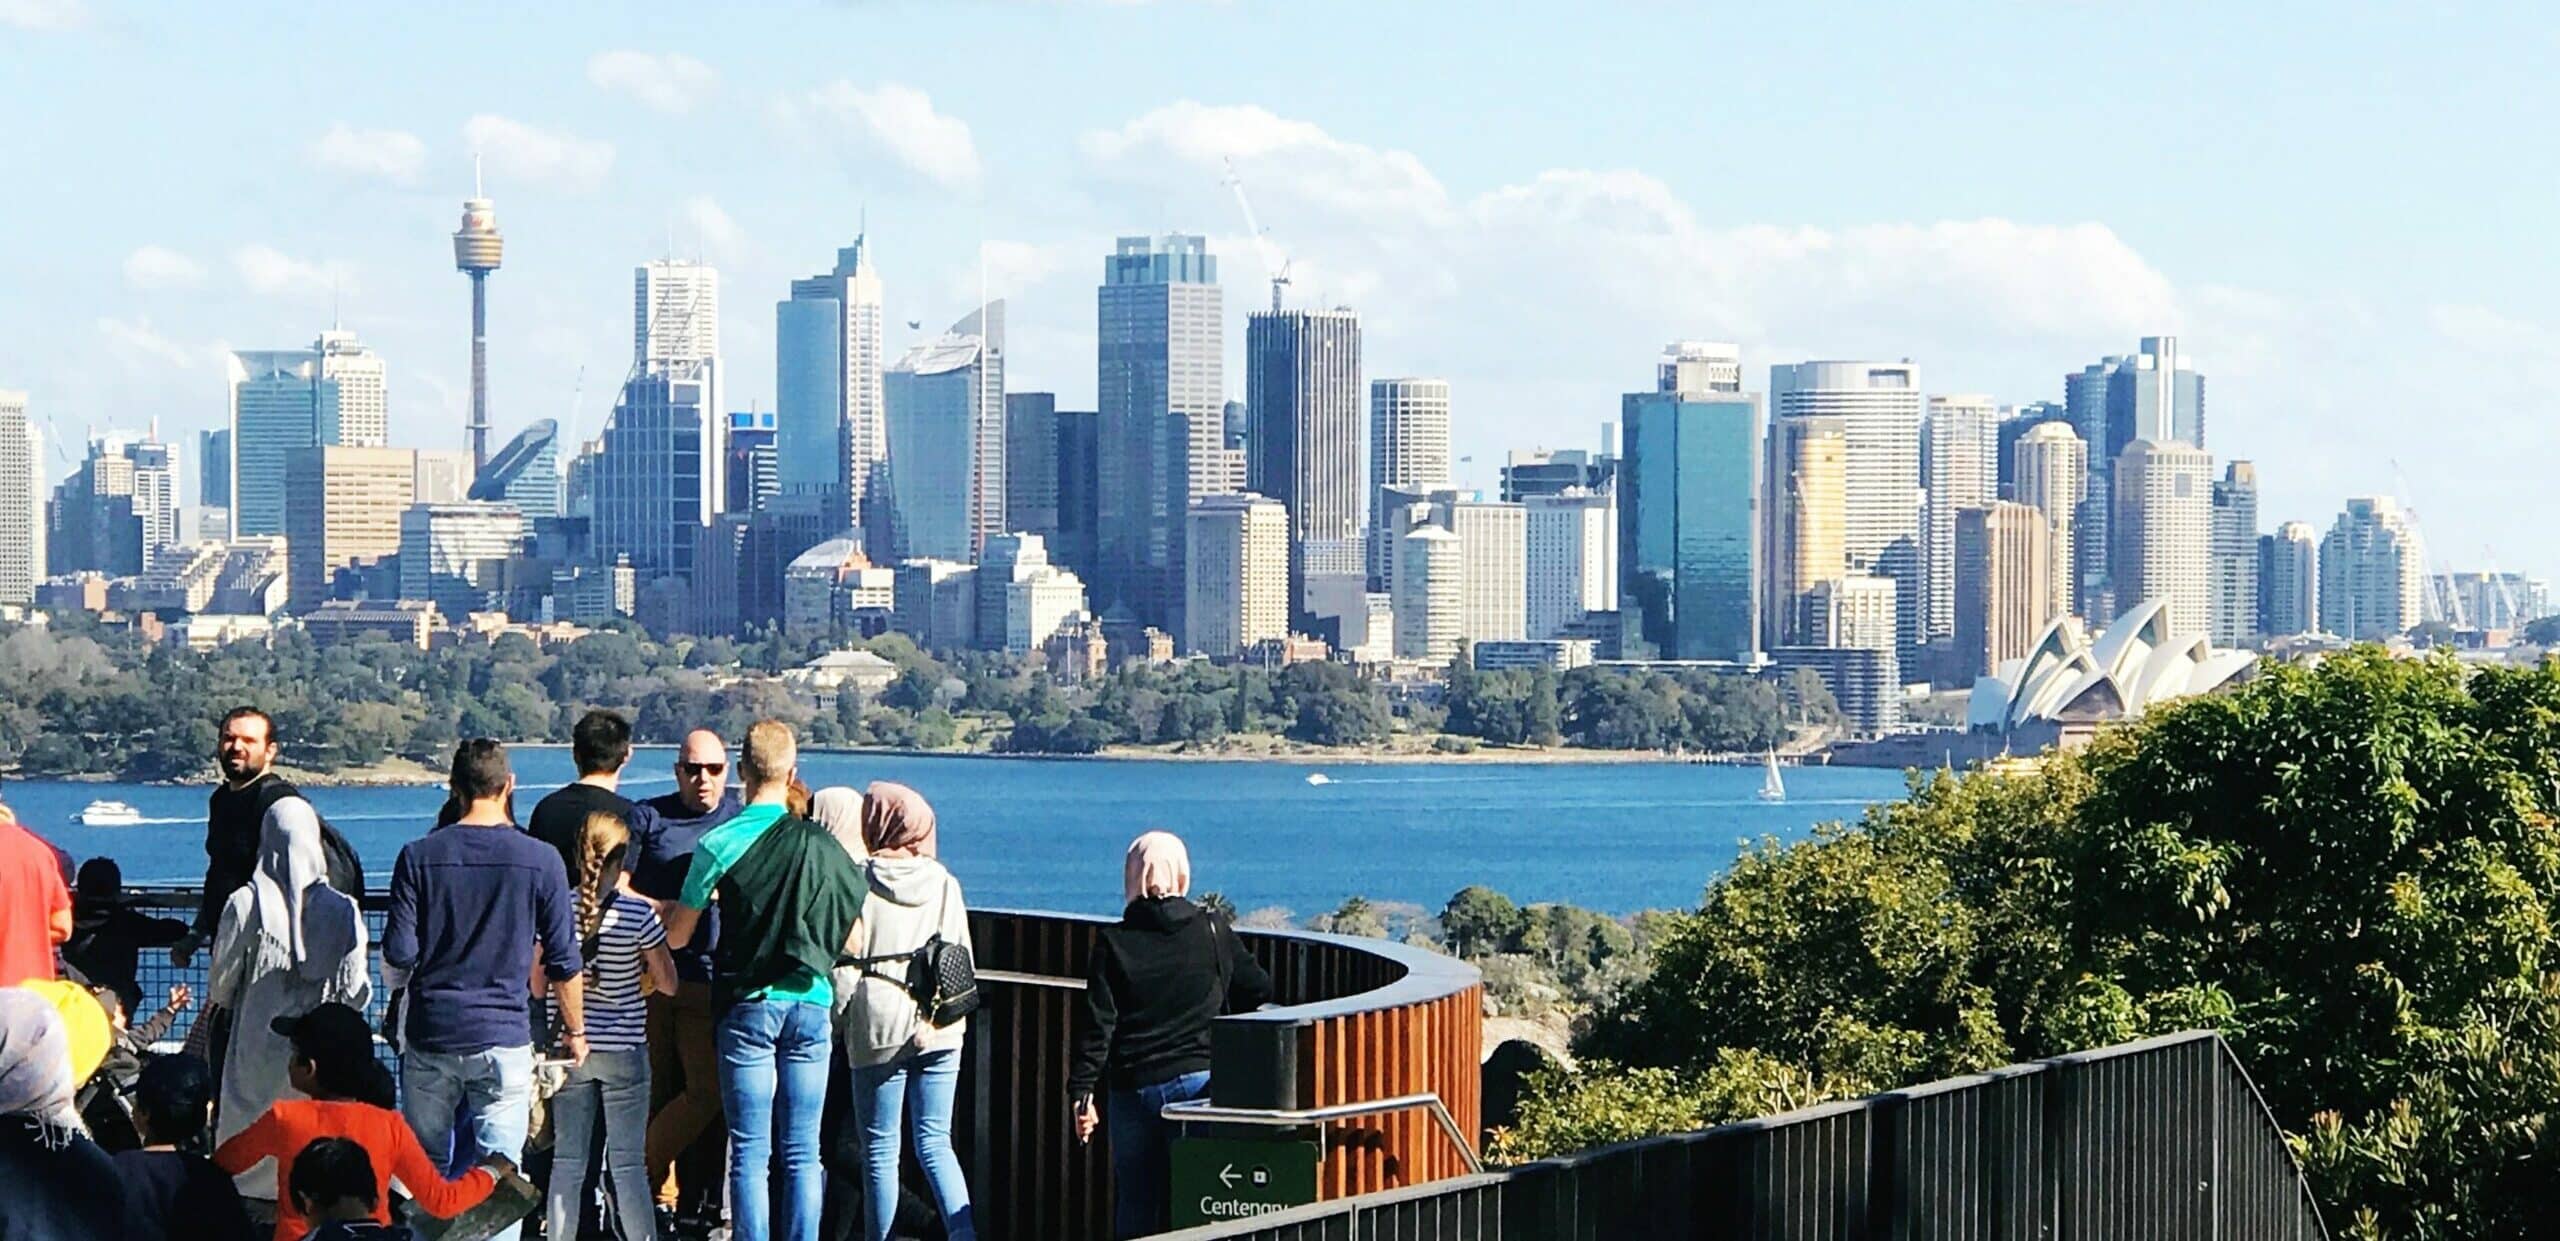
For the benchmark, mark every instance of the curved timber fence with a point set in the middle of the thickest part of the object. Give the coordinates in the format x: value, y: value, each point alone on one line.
x: 1356, y: 1020
x: 2164, y: 1139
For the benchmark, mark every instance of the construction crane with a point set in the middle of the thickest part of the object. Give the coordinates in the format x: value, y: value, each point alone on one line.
x: 1272, y: 260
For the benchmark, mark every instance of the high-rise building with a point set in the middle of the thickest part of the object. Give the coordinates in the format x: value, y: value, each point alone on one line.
x: 2235, y: 555
x: 828, y: 361
x: 116, y: 510
x: 1079, y: 491
x: 346, y: 513
x: 1022, y: 598
x: 2150, y: 394
x: 1031, y: 463
x: 2003, y: 586
x: 2490, y: 600
x: 1688, y: 512
x: 1302, y: 384
x: 457, y: 556
x: 22, y: 559
x: 1573, y: 559
x: 675, y: 312
x: 2153, y: 395
x: 1698, y: 366
x: 1805, y: 519
x: 1160, y: 388
x: 936, y: 604
x: 1408, y: 447
x: 477, y: 251
x: 1541, y: 472
x: 1493, y: 558
x: 944, y: 411
x: 213, y: 468
x: 654, y: 480
x: 1853, y: 611
x: 283, y: 401
x: 2051, y: 474
x: 2371, y: 572
x: 1962, y: 448
x: 1429, y: 594
x: 2289, y: 581
x: 1879, y: 406
x: 1237, y: 571
x: 2163, y: 529
x: 754, y: 470
x: 525, y: 473
x: 444, y: 475
x: 2022, y: 420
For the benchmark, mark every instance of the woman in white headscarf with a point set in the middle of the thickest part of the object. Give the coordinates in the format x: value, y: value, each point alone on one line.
x: 287, y: 943
x: 54, y: 1181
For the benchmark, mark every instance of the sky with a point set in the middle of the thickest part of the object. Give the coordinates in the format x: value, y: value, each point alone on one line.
x: 2342, y: 210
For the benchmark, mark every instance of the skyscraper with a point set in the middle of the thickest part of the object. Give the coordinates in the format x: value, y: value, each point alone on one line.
x: 1493, y: 558
x: 2003, y: 584
x: 525, y: 473
x: 21, y: 501
x: 457, y: 555
x: 2051, y: 473
x: 213, y: 469
x: 477, y: 249
x: 944, y: 404
x: 1160, y: 388
x: 2289, y: 580
x: 2154, y: 395
x: 1408, y: 447
x: 1879, y: 406
x: 1079, y: 490
x: 351, y: 397
x: 274, y: 413
x: 2371, y: 577
x: 2235, y: 555
x: 828, y: 361
x: 1302, y: 385
x: 1430, y: 594
x: 1237, y: 574
x: 754, y: 472
x: 653, y: 481
x: 1963, y: 442
x: 1806, y: 518
x: 346, y: 512
x: 1572, y: 558
x: 1546, y: 472
x: 114, y: 511
x: 444, y: 475
x: 2163, y: 528
x: 675, y: 330
x: 1688, y: 518
x: 2150, y: 394
x: 1031, y: 463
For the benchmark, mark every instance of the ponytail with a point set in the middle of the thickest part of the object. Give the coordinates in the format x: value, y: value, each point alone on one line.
x: 603, y: 843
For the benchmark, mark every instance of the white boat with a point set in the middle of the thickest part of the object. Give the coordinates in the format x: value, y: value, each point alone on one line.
x: 1771, y: 787
x: 109, y: 814
x: 1318, y: 779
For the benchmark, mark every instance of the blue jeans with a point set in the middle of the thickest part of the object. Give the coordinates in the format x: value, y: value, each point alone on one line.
x: 613, y: 1085
x: 773, y: 1086
x: 493, y: 1091
x: 1142, y: 1153
x: 923, y: 1087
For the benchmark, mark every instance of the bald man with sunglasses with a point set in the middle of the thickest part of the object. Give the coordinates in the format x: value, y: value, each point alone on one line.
x: 684, y: 1061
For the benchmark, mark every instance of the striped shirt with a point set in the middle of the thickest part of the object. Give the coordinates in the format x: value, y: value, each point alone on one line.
x: 616, y: 1018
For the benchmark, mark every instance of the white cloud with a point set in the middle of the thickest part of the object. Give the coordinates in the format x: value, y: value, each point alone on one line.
x: 44, y: 15
x: 158, y: 267
x: 268, y: 270
x: 137, y: 337
x: 718, y: 231
x: 672, y: 83
x: 384, y: 154
x: 1010, y: 267
x: 1274, y: 156
x: 517, y: 150
x: 896, y: 121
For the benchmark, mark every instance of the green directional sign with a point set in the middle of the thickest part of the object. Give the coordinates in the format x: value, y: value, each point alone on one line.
x: 1216, y: 1180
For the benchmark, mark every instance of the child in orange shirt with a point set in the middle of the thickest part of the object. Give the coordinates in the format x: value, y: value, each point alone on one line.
x: 351, y: 1097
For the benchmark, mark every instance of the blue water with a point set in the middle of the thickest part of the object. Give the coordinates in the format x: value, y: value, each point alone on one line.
x: 1035, y: 834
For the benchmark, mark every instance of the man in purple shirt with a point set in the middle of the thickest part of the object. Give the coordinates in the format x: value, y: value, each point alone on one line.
x: 471, y: 902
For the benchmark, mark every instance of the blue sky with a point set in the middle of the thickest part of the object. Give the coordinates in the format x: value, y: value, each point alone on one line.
x: 2341, y: 209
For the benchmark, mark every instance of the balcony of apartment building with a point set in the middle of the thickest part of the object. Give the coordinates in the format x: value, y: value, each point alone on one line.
x: 1351, y: 1109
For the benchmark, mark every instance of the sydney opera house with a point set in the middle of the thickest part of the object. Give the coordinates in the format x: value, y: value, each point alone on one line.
x: 2068, y: 685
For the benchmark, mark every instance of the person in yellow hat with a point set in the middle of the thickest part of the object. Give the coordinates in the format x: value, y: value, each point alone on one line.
x: 54, y: 1180
x: 85, y: 1025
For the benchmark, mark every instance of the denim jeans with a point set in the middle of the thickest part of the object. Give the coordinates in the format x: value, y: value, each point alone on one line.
x: 773, y: 1087
x: 493, y: 1092
x: 1142, y: 1153
x: 615, y: 1086
x: 923, y: 1086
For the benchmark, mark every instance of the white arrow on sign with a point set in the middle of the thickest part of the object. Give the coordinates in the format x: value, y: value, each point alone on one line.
x: 1227, y: 1176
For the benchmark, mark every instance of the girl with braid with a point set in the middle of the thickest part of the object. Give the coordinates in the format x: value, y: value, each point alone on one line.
x: 626, y: 957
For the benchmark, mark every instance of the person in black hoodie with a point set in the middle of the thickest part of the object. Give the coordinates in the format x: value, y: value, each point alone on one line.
x: 1159, y: 977
x: 236, y: 816
x: 108, y: 935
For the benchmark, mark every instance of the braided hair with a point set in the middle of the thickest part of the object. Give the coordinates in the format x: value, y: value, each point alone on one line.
x: 603, y: 844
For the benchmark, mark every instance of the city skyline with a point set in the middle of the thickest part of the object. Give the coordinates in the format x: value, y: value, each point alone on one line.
x: 593, y: 149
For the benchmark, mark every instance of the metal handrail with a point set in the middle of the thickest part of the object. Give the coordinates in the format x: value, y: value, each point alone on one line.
x: 1202, y: 1111
x: 1013, y: 978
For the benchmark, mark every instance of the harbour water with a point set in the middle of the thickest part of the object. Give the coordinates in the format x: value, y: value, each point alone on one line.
x: 1038, y: 834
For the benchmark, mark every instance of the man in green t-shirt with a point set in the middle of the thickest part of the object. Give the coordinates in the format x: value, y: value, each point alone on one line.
x: 789, y: 896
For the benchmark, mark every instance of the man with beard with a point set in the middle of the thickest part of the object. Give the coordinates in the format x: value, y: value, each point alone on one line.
x: 235, y: 815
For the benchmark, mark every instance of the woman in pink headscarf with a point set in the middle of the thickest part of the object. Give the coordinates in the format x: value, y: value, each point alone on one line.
x: 1159, y: 978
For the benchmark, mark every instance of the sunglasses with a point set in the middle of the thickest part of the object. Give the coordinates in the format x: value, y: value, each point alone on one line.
x: 702, y: 769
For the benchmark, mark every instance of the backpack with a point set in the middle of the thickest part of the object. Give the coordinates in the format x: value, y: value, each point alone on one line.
x: 941, y: 976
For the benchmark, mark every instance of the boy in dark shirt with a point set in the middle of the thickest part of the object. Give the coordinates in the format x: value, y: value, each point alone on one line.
x: 174, y: 1190
x: 108, y: 935
x: 333, y: 1187
x: 600, y: 744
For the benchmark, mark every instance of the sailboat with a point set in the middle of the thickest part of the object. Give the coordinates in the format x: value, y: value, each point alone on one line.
x: 1771, y: 787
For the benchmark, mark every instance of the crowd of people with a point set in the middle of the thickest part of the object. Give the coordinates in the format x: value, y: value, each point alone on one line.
x: 695, y: 1005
